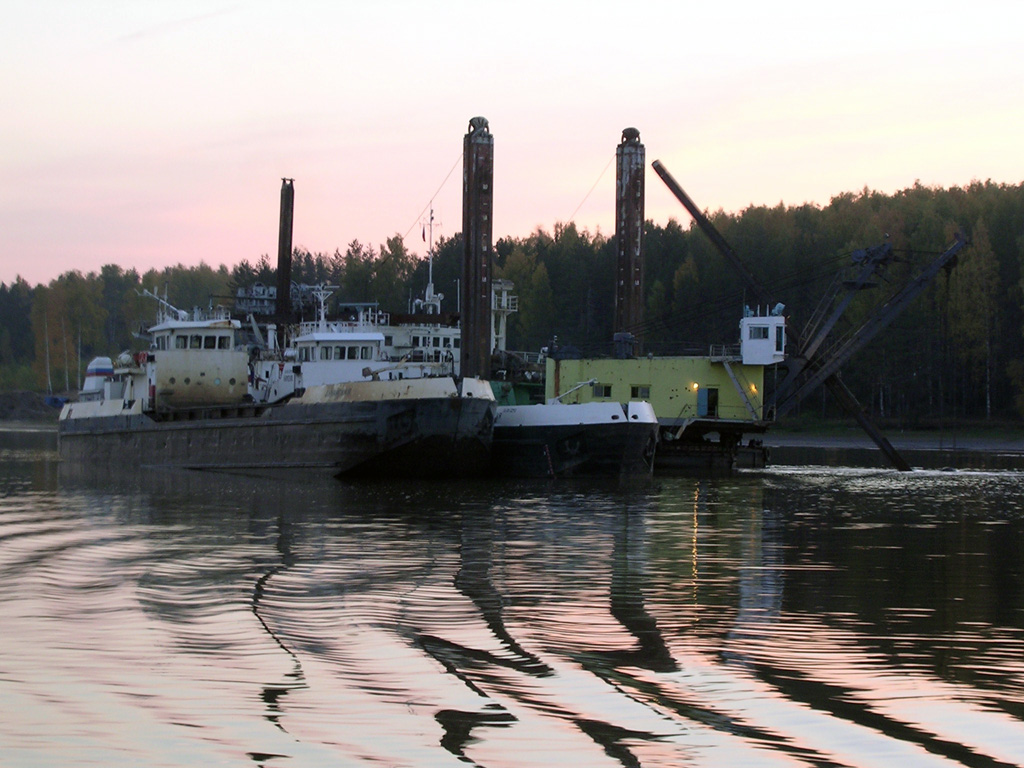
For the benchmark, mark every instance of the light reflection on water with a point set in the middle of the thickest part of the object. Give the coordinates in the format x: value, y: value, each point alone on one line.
x: 792, y: 617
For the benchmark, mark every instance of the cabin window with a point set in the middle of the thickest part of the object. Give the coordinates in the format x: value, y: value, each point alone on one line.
x: 415, y: 341
x: 447, y: 341
x: 437, y: 341
x: 602, y: 390
x: 195, y: 341
x: 326, y: 353
x: 389, y: 341
x: 180, y: 342
x: 353, y: 353
x: 457, y: 342
x: 780, y: 338
x: 759, y: 332
x: 366, y: 353
x: 303, y: 354
x: 640, y: 391
x: 209, y: 342
x: 223, y: 342
x: 161, y: 342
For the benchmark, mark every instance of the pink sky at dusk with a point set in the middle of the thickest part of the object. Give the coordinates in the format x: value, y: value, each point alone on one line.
x: 151, y: 133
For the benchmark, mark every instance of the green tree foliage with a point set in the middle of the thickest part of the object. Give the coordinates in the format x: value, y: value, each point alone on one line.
x: 973, y: 317
x: 119, y: 289
x: 957, y: 350
x: 71, y: 315
x: 245, y: 274
x: 16, y: 344
x: 17, y: 348
x: 392, y: 271
x: 531, y: 328
x: 190, y: 287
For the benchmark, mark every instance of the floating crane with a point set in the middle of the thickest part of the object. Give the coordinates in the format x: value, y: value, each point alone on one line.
x: 816, y: 363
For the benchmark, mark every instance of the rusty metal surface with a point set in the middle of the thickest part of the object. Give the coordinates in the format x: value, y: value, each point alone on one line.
x: 477, y: 264
x: 364, y: 391
x: 284, y: 253
x: 629, y: 233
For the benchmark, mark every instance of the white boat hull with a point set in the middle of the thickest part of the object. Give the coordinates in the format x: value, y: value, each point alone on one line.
x: 600, y: 438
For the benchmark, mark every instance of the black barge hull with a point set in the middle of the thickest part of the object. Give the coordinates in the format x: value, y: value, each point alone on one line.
x: 429, y: 437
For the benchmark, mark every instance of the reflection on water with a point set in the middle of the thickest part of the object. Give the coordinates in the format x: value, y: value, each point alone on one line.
x: 791, y: 617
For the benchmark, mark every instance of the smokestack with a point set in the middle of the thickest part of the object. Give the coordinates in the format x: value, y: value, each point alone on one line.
x: 284, y: 255
x: 629, y: 238
x: 477, y: 200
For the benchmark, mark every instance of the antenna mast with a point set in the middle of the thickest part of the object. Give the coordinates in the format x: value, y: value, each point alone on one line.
x: 431, y: 302
x: 430, y: 251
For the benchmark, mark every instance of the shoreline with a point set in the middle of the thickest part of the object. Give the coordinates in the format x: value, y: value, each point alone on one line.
x: 28, y: 425
x: 901, y: 441
x: 997, y: 449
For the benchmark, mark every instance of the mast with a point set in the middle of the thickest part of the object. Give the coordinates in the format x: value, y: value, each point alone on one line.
x: 428, y: 297
x: 430, y: 252
x: 431, y: 302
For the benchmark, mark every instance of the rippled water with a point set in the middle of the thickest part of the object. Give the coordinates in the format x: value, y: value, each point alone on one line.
x: 795, y: 616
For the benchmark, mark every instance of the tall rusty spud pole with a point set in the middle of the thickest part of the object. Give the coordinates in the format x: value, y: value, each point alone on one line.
x: 629, y: 235
x: 477, y: 261
x: 284, y: 256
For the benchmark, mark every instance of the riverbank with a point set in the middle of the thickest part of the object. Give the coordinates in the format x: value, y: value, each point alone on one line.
x: 997, y: 441
x: 985, y: 448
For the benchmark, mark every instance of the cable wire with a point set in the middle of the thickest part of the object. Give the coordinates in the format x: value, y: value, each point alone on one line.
x: 597, y: 181
x: 419, y: 216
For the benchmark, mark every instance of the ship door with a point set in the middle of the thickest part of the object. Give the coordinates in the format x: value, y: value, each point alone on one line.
x: 707, y: 402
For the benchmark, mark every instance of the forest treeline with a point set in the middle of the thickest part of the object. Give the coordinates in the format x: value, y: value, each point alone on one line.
x: 956, y: 352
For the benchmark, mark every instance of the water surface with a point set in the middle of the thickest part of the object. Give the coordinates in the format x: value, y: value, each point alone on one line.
x: 797, y: 616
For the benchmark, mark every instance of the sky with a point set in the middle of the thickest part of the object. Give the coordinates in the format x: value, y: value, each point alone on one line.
x: 147, y: 133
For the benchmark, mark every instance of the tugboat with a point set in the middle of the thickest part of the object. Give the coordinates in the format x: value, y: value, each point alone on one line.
x: 556, y: 439
x: 199, y: 398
